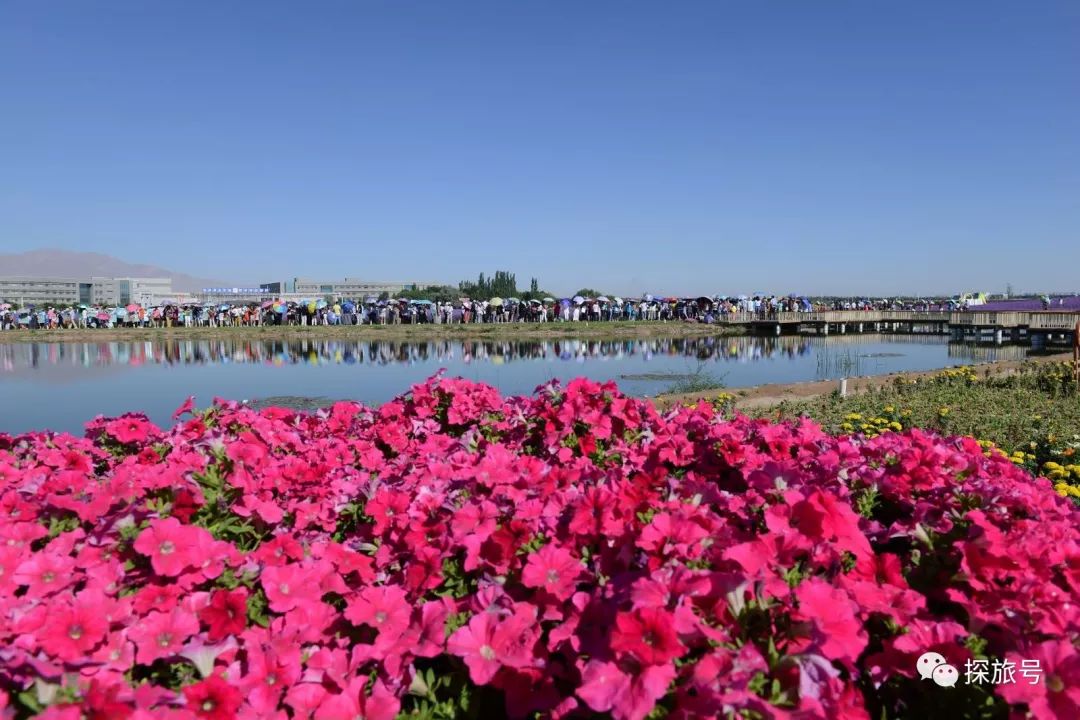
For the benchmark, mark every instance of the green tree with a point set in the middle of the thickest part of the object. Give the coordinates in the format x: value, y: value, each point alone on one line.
x: 589, y: 293
x: 434, y: 293
x: 502, y: 284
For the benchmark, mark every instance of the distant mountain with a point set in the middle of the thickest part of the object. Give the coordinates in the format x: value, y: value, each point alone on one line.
x: 66, y: 263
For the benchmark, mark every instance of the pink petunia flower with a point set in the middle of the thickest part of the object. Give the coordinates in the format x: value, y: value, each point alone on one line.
x: 170, y: 545
x: 161, y: 635
x: 488, y: 643
x: 647, y: 635
x: 554, y: 569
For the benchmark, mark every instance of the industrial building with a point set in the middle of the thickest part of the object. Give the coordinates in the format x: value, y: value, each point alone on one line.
x: 41, y: 291
x: 347, y: 288
x: 127, y: 290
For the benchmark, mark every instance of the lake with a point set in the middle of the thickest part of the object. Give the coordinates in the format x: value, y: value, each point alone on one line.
x: 60, y: 386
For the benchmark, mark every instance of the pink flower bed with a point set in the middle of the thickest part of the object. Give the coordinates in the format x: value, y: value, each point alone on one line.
x: 459, y: 554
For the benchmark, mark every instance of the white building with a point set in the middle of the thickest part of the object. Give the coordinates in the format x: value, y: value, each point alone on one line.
x: 40, y: 291
x: 352, y: 287
x: 127, y: 290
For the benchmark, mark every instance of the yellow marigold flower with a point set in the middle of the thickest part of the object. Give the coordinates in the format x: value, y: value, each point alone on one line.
x: 896, y: 426
x: 889, y: 409
x: 853, y: 416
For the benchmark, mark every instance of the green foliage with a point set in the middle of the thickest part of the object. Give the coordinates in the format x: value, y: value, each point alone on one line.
x: 217, y: 515
x: 434, y: 293
x: 503, y: 284
x: 455, y: 582
x: 258, y: 610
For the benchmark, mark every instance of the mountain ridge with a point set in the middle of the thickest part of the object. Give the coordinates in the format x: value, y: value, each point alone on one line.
x: 55, y: 262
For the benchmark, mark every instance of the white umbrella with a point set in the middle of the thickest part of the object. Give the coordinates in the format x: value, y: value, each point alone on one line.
x: 601, y: 298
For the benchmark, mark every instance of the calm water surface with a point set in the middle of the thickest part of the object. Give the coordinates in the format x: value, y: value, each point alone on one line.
x: 60, y: 386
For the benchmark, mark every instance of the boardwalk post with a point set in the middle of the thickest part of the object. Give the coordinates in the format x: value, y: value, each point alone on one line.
x: 1076, y: 352
x: 843, y: 387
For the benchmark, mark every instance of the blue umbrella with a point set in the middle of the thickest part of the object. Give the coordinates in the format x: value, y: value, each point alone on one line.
x: 348, y: 306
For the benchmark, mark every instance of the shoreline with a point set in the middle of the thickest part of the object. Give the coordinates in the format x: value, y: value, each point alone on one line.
x: 614, y: 330
x: 769, y: 395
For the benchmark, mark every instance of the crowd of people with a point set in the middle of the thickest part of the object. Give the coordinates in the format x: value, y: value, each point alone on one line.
x: 373, y: 311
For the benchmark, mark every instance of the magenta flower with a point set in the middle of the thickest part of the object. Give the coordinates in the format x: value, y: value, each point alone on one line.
x: 170, y: 545
x: 489, y: 643
x: 554, y: 569
x: 162, y: 635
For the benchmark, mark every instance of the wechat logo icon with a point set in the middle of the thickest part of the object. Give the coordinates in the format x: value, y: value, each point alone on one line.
x: 932, y: 666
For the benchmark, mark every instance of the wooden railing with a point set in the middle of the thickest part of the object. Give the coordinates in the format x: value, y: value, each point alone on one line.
x: 1036, y: 320
x: 1052, y: 320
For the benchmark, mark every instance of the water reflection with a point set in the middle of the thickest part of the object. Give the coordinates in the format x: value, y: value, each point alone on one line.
x: 833, y: 355
x: 15, y: 357
x: 62, y: 385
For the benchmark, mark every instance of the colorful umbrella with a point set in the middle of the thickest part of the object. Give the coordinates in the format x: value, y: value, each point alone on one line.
x: 133, y: 308
x: 495, y: 302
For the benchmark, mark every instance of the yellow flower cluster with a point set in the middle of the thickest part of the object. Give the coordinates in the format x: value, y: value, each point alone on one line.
x: 722, y: 401
x: 965, y: 374
x: 871, y: 427
x: 1056, y: 471
x: 1066, y: 490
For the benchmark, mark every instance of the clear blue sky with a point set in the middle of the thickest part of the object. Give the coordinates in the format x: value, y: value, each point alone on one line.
x: 630, y: 146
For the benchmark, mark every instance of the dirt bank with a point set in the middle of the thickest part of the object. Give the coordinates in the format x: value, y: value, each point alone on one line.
x: 508, y: 331
x: 768, y: 395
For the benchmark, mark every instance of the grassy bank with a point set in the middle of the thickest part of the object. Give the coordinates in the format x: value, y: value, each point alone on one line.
x: 516, y: 331
x: 1031, y: 413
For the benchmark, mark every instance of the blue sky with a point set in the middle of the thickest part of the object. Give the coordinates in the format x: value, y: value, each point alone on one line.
x: 847, y: 147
